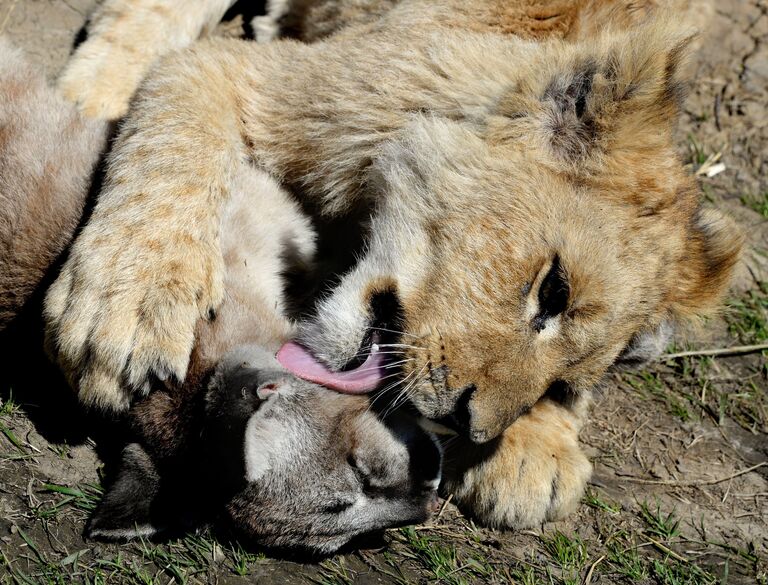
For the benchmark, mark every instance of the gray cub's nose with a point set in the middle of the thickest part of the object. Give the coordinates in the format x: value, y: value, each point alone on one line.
x: 433, y: 506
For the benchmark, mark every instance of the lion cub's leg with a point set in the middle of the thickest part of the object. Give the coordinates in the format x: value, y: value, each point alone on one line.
x: 148, y: 265
x: 125, y: 38
x: 534, y: 472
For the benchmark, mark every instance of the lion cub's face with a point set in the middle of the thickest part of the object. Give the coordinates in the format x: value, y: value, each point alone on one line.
x: 524, y: 253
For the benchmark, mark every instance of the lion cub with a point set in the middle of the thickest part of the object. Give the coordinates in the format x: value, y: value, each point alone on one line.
x: 287, y: 462
x: 531, y: 221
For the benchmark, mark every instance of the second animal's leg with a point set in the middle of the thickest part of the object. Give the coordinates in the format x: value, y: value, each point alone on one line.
x: 125, y: 38
x: 534, y: 472
x: 47, y: 155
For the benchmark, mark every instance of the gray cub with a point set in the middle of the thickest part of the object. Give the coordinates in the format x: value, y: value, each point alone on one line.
x: 288, y: 463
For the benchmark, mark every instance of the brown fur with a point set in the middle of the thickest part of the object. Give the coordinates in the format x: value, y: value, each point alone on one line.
x: 43, y: 182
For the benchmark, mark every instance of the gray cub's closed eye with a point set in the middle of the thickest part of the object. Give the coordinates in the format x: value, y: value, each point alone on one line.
x: 337, y: 507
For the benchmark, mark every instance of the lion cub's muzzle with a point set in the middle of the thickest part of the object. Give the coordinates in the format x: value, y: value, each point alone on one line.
x: 479, y: 411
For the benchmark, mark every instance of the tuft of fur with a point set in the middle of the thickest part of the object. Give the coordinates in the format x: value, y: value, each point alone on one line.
x: 48, y: 152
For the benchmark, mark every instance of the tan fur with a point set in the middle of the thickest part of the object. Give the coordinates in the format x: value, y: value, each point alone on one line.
x: 488, y: 157
x: 127, y: 37
x: 536, y: 469
x: 125, y: 40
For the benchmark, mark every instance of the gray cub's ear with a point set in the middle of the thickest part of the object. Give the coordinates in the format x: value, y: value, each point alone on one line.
x: 125, y: 510
x: 644, y: 347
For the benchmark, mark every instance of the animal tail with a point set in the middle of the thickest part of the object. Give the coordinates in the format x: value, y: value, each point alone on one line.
x: 48, y: 153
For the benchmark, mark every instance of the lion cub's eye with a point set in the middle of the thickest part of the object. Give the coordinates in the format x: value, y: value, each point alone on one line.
x: 553, y: 295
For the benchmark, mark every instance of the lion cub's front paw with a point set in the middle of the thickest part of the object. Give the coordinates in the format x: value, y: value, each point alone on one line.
x: 101, y: 78
x: 535, y: 472
x: 124, y: 309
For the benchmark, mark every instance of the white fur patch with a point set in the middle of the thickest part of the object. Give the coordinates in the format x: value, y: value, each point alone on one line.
x: 551, y: 328
x: 531, y: 308
x: 265, y: 437
x: 143, y: 530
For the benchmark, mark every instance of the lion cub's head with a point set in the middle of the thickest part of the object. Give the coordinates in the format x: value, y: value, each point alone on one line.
x: 522, y: 253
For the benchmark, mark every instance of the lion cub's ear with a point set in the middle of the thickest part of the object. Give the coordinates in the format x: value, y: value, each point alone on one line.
x: 620, y: 92
x: 714, y: 245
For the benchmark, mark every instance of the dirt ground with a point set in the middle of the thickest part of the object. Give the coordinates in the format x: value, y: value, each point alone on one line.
x: 680, y: 489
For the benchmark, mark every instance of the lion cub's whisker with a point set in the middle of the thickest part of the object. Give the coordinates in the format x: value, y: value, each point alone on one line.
x: 405, y: 361
x: 389, y: 388
x: 406, y: 392
x: 397, y: 332
x: 367, y: 353
x: 394, y: 375
x: 369, y: 368
x: 404, y: 345
x: 395, y: 384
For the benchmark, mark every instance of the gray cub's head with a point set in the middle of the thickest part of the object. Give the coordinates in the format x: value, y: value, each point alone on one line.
x: 293, y: 465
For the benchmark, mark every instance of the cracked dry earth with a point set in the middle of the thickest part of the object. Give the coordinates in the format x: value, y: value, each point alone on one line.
x: 680, y: 489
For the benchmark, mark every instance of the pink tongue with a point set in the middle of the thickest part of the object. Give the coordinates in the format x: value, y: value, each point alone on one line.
x: 296, y: 359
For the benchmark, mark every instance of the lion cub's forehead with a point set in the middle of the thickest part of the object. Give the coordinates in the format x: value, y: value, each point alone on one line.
x: 526, y: 227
